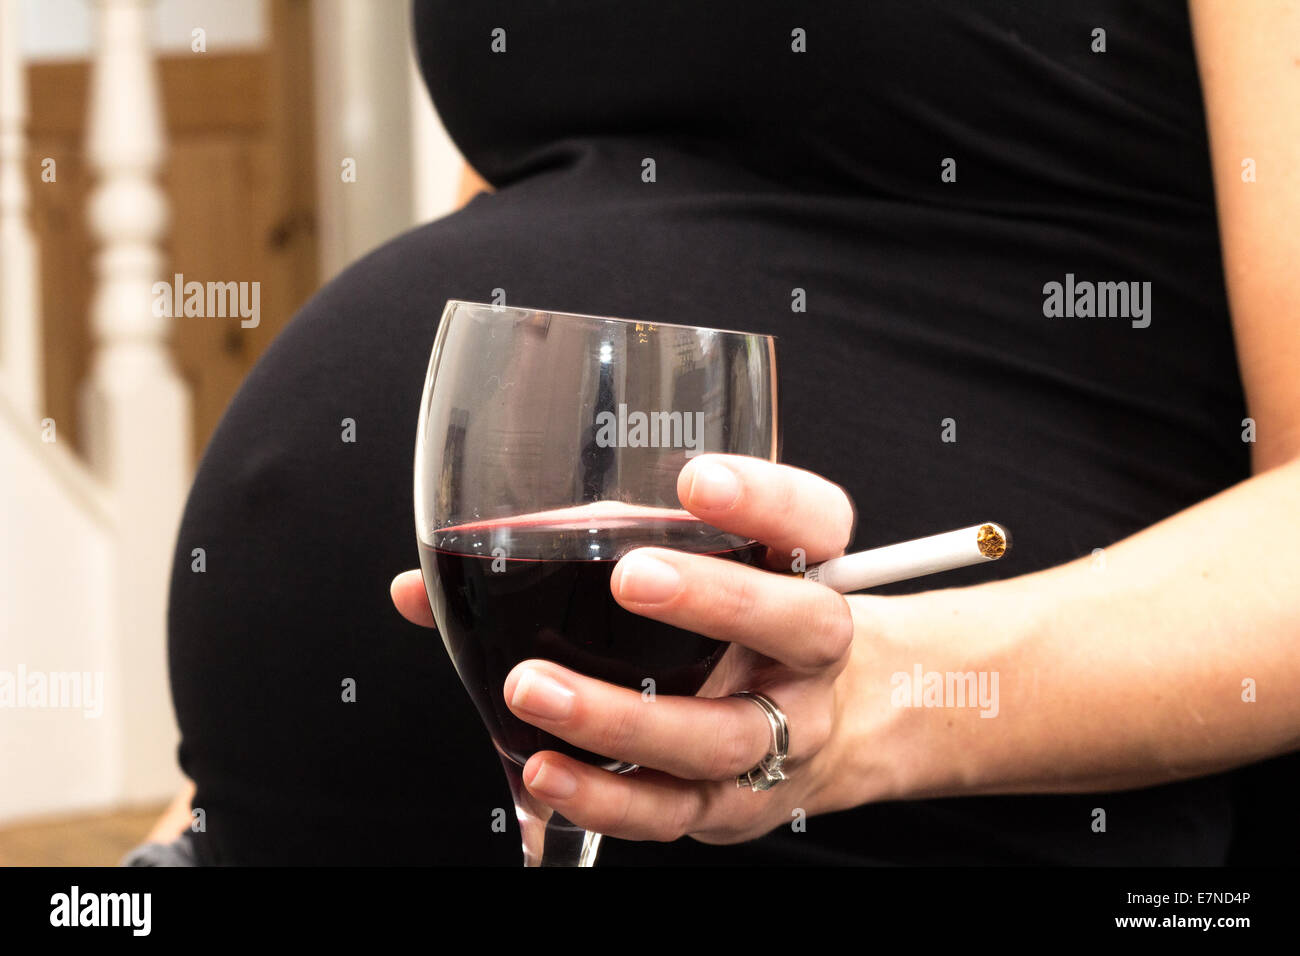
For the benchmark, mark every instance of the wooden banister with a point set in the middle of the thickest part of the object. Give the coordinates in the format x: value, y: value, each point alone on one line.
x: 136, y: 408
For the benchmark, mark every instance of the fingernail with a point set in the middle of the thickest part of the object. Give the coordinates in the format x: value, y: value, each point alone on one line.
x: 644, y: 579
x: 539, y: 695
x: 554, y: 781
x: 713, y: 486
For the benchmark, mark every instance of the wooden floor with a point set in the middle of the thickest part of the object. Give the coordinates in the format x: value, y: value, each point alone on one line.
x: 100, y: 839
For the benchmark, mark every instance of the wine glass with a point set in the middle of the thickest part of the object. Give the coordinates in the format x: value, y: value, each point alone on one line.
x: 549, y: 445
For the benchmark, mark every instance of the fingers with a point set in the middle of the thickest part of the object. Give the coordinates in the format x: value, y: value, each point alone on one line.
x: 784, y: 507
x: 639, y: 806
x: 802, y: 624
x: 693, y: 738
x: 647, y: 805
x: 410, y: 599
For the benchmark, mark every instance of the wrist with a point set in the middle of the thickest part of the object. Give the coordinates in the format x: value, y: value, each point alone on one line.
x: 922, y: 695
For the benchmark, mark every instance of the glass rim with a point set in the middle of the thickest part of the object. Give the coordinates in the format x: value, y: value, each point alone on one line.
x: 608, y: 318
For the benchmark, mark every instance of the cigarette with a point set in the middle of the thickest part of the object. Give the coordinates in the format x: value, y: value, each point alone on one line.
x: 913, y: 559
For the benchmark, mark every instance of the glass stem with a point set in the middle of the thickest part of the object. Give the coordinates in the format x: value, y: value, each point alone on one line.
x: 548, y: 838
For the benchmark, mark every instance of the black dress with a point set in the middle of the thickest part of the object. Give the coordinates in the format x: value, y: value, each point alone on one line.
x: 921, y: 171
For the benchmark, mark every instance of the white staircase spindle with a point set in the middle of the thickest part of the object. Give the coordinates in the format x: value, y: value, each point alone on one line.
x: 135, y: 406
x: 20, y: 323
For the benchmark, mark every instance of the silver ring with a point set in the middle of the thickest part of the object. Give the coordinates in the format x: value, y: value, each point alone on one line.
x: 768, y: 773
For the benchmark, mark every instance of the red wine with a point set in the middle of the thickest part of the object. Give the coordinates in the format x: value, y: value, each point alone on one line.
x: 538, y: 587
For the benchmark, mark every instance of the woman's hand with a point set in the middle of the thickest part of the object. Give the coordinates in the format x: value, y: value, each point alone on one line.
x: 1101, y: 677
x: 791, y: 641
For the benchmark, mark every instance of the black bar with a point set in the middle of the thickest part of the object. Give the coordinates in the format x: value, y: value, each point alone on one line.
x: 503, y: 906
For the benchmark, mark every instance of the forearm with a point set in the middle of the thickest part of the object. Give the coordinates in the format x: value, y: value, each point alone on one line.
x: 1113, y: 672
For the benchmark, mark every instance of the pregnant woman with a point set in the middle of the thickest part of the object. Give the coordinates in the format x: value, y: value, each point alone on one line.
x: 986, y: 234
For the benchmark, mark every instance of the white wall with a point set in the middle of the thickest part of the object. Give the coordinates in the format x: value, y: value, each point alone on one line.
x: 55, y: 594
x: 371, y: 106
x: 437, y: 164
x: 64, y: 29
